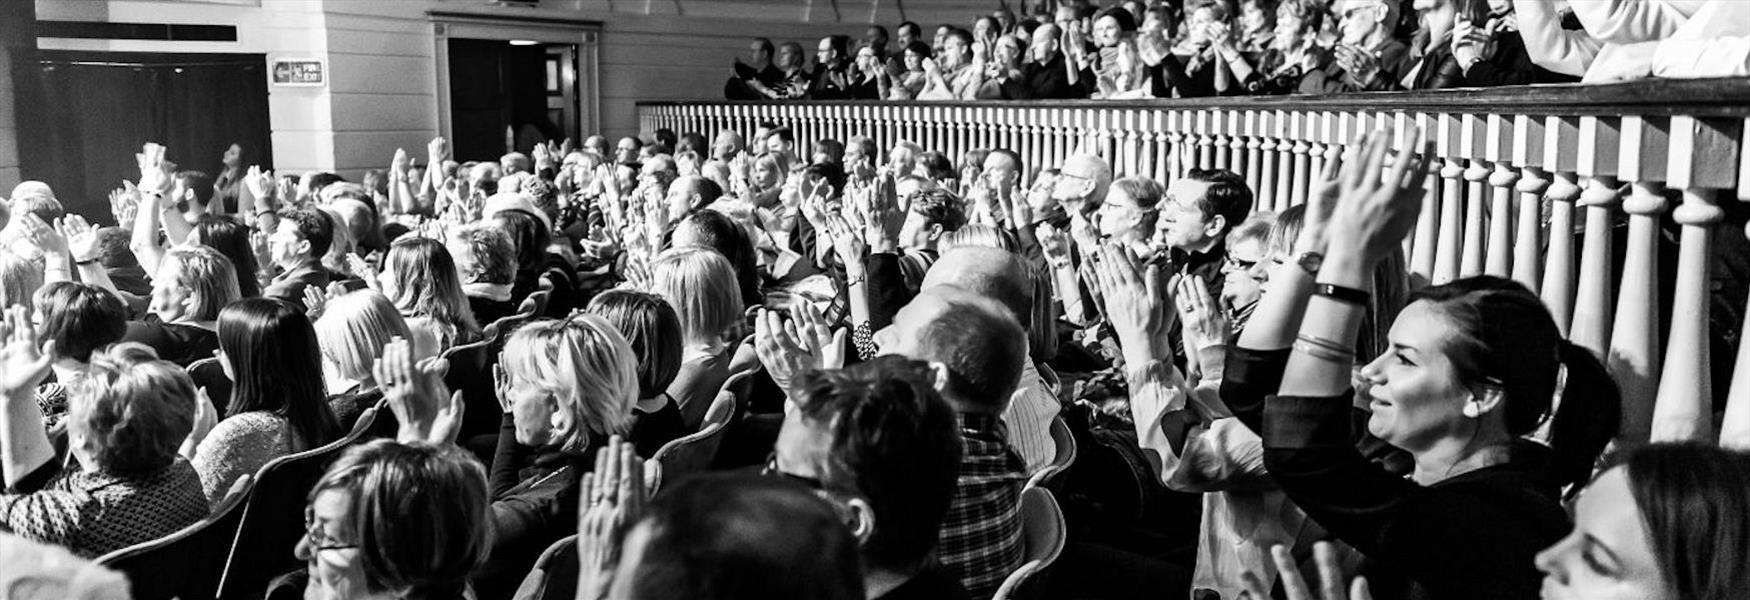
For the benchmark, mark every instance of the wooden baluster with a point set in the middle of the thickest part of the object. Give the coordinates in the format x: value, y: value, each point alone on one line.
x: 1205, y: 142
x: 1634, y: 337
x: 1735, y: 428
x: 1501, y: 184
x: 1302, y: 123
x: 1182, y: 151
x: 1472, y: 139
x: 1702, y: 161
x: 1267, y: 144
x: 1533, y: 182
x: 1599, y: 145
x: 1254, y: 144
x: 1319, y: 125
x: 1159, y: 151
x: 1561, y: 138
x: 1427, y: 246
x: 1137, y: 137
x: 1284, y: 160
x: 1218, y: 139
x: 1447, y: 253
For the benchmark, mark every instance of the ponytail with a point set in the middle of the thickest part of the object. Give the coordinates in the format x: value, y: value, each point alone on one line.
x: 1589, y: 415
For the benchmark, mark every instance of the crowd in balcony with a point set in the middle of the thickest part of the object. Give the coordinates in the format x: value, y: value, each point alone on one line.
x: 1201, y: 48
x: 674, y: 366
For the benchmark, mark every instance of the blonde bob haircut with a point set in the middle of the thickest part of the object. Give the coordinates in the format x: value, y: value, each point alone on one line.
x: 353, y: 330
x: 588, y: 369
x: 700, y: 284
x: 209, y: 277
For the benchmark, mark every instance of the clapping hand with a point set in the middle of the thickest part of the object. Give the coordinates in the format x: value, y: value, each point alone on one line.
x: 1375, y: 214
x: 81, y: 238
x: 1470, y: 42
x: 1206, y: 324
x: 124, y: 204
x: 884, y: 218
x: 260, y: 184
x: 156, y: 175
x: 1295, y: 587
x: 44, y: 236
x: 206, y: 416
x: 1136, y: 300
x: 316, y: 298
x: 609, y: 501
x: 1361, y: 65
x: 415, y: 391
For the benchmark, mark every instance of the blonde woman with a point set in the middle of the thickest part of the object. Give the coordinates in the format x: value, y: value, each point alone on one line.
x: 352, y: 331
x: 700, y: 284
x: 192, y: 285
x: 20, y: 276
x: 565, y: 387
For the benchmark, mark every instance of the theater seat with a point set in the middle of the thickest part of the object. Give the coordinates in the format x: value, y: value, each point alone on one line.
x: 1043, y: 537
x: 555, y: 574
x: 272, y: 518
x: 692, y: 454
x: 471, y: 373
x: 1065, y: 442
x: 186, y: 564
x: 208, y: 373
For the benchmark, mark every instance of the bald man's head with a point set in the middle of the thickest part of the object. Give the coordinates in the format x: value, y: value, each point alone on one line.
x: 993, y: 273
x: 1084, y: 178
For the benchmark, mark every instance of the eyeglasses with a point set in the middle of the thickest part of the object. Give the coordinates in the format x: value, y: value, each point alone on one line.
x: 317, y: 538
x: 771, y: 470
x: 1240, y: 265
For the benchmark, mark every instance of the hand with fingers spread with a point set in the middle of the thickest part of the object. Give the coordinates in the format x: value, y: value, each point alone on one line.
x: 781, y: 348
x: 81, y: 236
x: 609, y: 501
x: 260, y: 184
x: 1375, y: 214
x: 44, y: 236
x: 1054, y: 243
x: 365, y: 270
x: 415, y: 392
x: 848, y: 245
x: 824, y: 344
x: 24, y: 362
x: 1294, y: 587
x: 316, y: 299
x: 885, y: 217
x: 156, y: 174
x: 1137, y: 301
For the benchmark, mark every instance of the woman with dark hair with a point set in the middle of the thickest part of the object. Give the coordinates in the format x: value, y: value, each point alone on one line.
x: 714, y: 230
x: 651, y: 327
x: 1669, y: 522
x: 228, y: 187
x: 1471, y: 373
x: 531, y: 236
x: 936, y: 167
x: 79, y: 319
x: 419, y: 277
x: 278, y: 405
x: 907, y: 84
x: 231, y: 238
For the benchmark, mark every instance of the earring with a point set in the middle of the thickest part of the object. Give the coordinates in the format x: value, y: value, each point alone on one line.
x: 1472, y: 409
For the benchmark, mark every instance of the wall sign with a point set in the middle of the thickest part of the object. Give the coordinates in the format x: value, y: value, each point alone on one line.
x: 306, y: 72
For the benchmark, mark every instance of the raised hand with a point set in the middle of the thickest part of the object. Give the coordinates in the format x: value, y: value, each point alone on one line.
x: 437, y: 151
x: 124, y: 204
x: 1136, y: 300
x: 1206, y: 324
x: 416, y: 394
x: 847, y: 244
x: 363, y: 269
x: 206, y: 416
x: 824, y: 344
x: 24, y: 364
x: 44, y: 236
x: 155, y: 173
x: 609, y: 500
x: 1322, y: 199
x: 1295, y: 587
x: 885, y: 217
x: 81, y: 238
x: 781, y: 348
x: 260, y: 184
x: 1054, y: 243
x: 1375, y: 214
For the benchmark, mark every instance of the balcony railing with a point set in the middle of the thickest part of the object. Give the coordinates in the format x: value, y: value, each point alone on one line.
x: 1512, y: 166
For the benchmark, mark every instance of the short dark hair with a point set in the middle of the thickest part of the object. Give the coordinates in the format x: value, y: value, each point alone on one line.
x: 832, y: 173
x: 650, y: 325
x: 914, y: 27
x: 895, y: 443
x: 782, y: 132
x: 324, y: 179
x: 832, y: 148
x: 921, y: 49
x: 80, y: 318
x: 314, y: 225
x: 1226, y: 197
x: 939, y: 207
x: 199, y: 183
x: 980, y: 342
x: 765, y: 45
x: 727, y: 536
x: 961, y: 34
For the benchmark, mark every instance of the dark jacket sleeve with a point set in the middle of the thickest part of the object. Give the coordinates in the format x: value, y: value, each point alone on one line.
x: 508, y: 459
x: 1249, y: 377
x: 885, y: 281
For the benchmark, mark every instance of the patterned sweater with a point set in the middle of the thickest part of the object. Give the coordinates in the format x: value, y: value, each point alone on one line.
x: 95, y: 513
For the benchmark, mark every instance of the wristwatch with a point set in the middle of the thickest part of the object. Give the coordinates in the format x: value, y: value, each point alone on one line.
x: 1310, y: 261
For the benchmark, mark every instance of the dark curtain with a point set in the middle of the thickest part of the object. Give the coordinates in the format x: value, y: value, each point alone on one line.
x: 84, y: 116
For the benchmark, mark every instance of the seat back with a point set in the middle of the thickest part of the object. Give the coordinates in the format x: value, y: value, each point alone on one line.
x: 186, y: 564
x: 498, y: 331
x: 1043, y: 537
x: 555, y: 574
x: 693, y: 453
x: 273, y: 515
x: 536, y: 304
x: 208, y: 373
x: 471, y: 373
x: 1065, y: 441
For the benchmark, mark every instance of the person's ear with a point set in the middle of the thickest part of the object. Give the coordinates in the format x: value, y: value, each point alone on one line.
x: 940, y: 381
x: 304, y: 246
x: 936, y: 231
x: 558, y: 418
x: 860, y: 519
x: 1483, y: 401
x: 1216, y: 225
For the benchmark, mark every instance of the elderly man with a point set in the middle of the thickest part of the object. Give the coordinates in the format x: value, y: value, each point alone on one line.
x: 1046, y: 75
x: 1372, y: 59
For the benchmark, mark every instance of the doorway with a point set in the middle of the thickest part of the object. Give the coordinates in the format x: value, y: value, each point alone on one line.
x: 507, y: 84
x: 510, y: 95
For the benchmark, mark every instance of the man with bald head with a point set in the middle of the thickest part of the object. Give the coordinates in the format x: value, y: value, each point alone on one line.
x: 690, y: 194
x: 1046, y: 75
x: 1082, y: 183
x: 999, y: 275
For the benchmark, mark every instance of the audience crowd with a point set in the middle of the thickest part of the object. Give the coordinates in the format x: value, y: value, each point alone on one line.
x: 1197, y: 48
x: 692, y: 369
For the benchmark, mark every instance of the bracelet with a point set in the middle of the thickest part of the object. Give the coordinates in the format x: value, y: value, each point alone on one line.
x: 1322, y: 348
x: 854, y: 282
x: 1342, y: 294
x: 86, y: 262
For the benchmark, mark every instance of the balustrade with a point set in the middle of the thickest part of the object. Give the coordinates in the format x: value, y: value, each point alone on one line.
x: 1532, y: 183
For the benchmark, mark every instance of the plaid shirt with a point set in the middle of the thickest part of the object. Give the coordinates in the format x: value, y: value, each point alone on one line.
x: 981, y: 538
x: 94, y: 513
